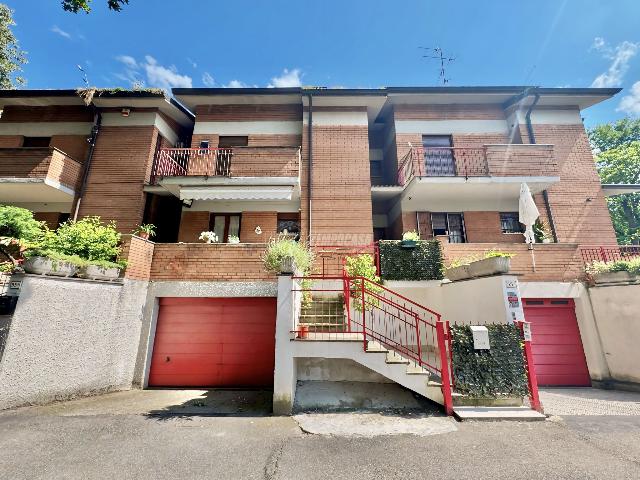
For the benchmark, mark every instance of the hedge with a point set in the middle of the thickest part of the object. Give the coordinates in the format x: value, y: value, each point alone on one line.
x: 499, y: 371
x: 424, y: 262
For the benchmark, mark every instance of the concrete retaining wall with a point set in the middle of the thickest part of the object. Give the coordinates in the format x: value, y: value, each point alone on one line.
x: 617, y: 317
x: 70, y: 337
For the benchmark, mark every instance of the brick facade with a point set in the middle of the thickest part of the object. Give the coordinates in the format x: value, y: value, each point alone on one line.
x: 267, y: 221
x: 138, y: 254
x: 192, y: 224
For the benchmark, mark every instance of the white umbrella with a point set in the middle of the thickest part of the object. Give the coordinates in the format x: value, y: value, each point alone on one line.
x: 527, y: 212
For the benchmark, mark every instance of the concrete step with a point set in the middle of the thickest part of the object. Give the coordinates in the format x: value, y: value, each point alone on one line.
x: 414, y: 369
x: 393, y: 357
x: 375, y: 347
x: 497, y: 414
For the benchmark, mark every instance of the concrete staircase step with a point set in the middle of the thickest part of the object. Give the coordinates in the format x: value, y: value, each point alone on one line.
x: 375, y: 347
x: 497, y: 413
x: 414, y: 369
x: 395, y: 358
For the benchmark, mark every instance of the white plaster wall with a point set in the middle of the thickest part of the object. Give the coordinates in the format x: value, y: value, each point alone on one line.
x: 336, y: 370
x: 70, y: 337
x: 617, y: 318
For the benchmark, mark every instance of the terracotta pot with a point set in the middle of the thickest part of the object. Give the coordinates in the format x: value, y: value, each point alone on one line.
x: 303, y: 331
x: 144, y: 235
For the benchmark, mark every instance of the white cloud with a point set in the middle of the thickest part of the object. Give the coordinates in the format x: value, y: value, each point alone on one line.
x: 156, y: 75
x: 59, y: 31
x: 235, y: 84
x: 620, y: 57
x: 630, y: 104
x: 192, y: 63
x: 289, y: 78
x: 208, y: 80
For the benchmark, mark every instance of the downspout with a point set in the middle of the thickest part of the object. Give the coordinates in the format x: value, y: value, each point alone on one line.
x: 87, y: 164
x: 309, y: 169
x: 532, y: 140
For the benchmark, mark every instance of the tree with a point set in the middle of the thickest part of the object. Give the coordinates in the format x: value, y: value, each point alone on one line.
x: 617, y: 148
x: 76, y: 5
x: 11, y: 57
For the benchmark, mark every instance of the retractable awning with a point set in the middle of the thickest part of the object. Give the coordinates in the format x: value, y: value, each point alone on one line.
x: 237, y: 193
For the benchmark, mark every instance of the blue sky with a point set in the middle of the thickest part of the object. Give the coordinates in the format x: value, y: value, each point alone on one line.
x: 349, y: 43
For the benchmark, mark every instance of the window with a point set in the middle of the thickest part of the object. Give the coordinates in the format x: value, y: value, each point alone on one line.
x: 225, y: 225
x: 204, y: 144
x: 509, y: 223
x: 450, y: 224
x: 36, y: 142
x: 235, y: 141
x: 289, y: 224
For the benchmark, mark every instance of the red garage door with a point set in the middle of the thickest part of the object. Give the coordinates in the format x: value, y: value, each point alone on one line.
x: 214, y: 342
x: 557, y: 347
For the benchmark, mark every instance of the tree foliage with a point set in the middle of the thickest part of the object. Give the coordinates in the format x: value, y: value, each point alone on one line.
x: 11, y: 57
x: 617, y: 148
x: 85, y: 5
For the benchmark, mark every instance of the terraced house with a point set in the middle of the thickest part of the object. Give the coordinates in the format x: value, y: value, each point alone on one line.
x: 340, y: 169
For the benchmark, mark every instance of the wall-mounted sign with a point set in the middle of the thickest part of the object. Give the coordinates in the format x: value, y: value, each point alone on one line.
x: 480, y: 337
x: 512, y: 300
x: 526, y: 331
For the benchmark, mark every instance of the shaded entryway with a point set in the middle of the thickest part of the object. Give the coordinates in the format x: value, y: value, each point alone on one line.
x: 214, y: 342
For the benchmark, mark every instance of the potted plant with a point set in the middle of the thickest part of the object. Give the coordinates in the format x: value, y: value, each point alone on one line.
x: 284, y: 255
x: 618, y: 271
x: 458, y: 269
x: 303, y: 331
x: 145, y: 231
x: 55, y: 264
x: 542, y: 232
x: 101, y: 270
x: 410, y: 239
x: 234, y: 239
x: 208, y: 237
x: 493, y: 263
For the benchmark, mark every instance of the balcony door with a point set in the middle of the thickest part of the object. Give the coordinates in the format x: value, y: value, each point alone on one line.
x: 438, y: 156
x: 449, y: 224
x: 225, y: 226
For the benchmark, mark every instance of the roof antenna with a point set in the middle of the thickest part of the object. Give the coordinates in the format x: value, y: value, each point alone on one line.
x: 84, y: 76
x: 437, y: 54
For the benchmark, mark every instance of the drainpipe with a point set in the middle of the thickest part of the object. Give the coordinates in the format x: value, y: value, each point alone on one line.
x: 309, y: 169
x: 87, y: 164
x: 532, y: 140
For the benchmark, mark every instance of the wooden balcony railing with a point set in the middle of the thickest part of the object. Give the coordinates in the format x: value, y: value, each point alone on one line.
x: 47, y: 163
x: 227, y: 162
x: 484, y: 161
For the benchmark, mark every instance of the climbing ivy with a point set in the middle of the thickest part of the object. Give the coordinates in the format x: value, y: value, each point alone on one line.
x: 497, y: 372
x: 423, y: 262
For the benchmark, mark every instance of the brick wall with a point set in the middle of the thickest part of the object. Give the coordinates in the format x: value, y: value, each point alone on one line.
x: 76, y: 146
x: 484, y: 227
x: 120, y: 166
x: 268, y: 222
x: 51, y: 219
x: 11, y: 141
x: 209, y: 262
x: 448, y: 112
x: 53, y: 113
x: 39, y: 163
x: 341, y: 196
x: 231, y: 113
x: 138, y: 253
x: 521, y: 160
x: 553, y: 262
x: 578, y: 204
x: 192, y: 224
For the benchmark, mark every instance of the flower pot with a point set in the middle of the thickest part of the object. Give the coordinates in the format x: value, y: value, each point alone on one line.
x: 490, y: 266
x: 458, y: 273
x: 48, y: 266
x: 408, y: 244
x: 95, y: 272
x: 143, y: 235
x: 546, y: 240
x: 287, y: 265
x: 614, y: 277
x: 303, y: 331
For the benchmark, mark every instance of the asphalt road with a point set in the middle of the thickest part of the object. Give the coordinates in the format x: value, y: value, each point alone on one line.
x: 113, y: 438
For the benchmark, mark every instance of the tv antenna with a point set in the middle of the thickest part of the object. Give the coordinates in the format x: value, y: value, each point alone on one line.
x: 84, y: 76
x: 437, y: 54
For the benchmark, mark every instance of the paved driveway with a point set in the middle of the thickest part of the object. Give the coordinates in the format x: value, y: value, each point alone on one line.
x: 589, y: 401
x: 195, y: 434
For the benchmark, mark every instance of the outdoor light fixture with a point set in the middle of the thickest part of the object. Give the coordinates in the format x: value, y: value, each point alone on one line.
x: 126, y: 112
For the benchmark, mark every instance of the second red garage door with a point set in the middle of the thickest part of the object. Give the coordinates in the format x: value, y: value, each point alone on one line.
x: 557, y: 347
x: 214, y: 342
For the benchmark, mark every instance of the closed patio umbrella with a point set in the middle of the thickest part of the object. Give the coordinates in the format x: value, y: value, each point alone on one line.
x: 527, y: 212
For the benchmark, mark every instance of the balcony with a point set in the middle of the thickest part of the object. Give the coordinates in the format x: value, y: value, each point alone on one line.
x: 45, y: 175
x: 238, y: 173
x: 476, y: 178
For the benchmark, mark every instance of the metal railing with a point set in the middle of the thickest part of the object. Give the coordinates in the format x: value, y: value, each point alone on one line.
x: 608, y: 253
x: 443, y: 162
x: 330, y: 259
x: 226, y: 162
x: 374, y: 313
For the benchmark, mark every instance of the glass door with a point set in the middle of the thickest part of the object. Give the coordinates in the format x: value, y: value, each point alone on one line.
x: 449, y: 224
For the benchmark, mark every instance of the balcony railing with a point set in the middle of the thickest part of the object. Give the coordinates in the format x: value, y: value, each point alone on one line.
x: 609, y: 253
x: 46, y: 163
x: 227, y: 162
x: 484, y: 161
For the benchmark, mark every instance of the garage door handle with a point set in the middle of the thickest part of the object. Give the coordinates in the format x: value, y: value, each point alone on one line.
x: 168, y: 359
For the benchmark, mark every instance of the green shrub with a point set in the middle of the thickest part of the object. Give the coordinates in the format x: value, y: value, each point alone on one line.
x: 598, y: 267
x: 56, y: 256
x: 425, y: 262
x: 7, y: 267
x: 280, y: 248
x: 499, y: 371
x: 18, y: 223
x: 498, y: 254
x: 87, y: 238
x: 466, y: 260
x: 363, y: 266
